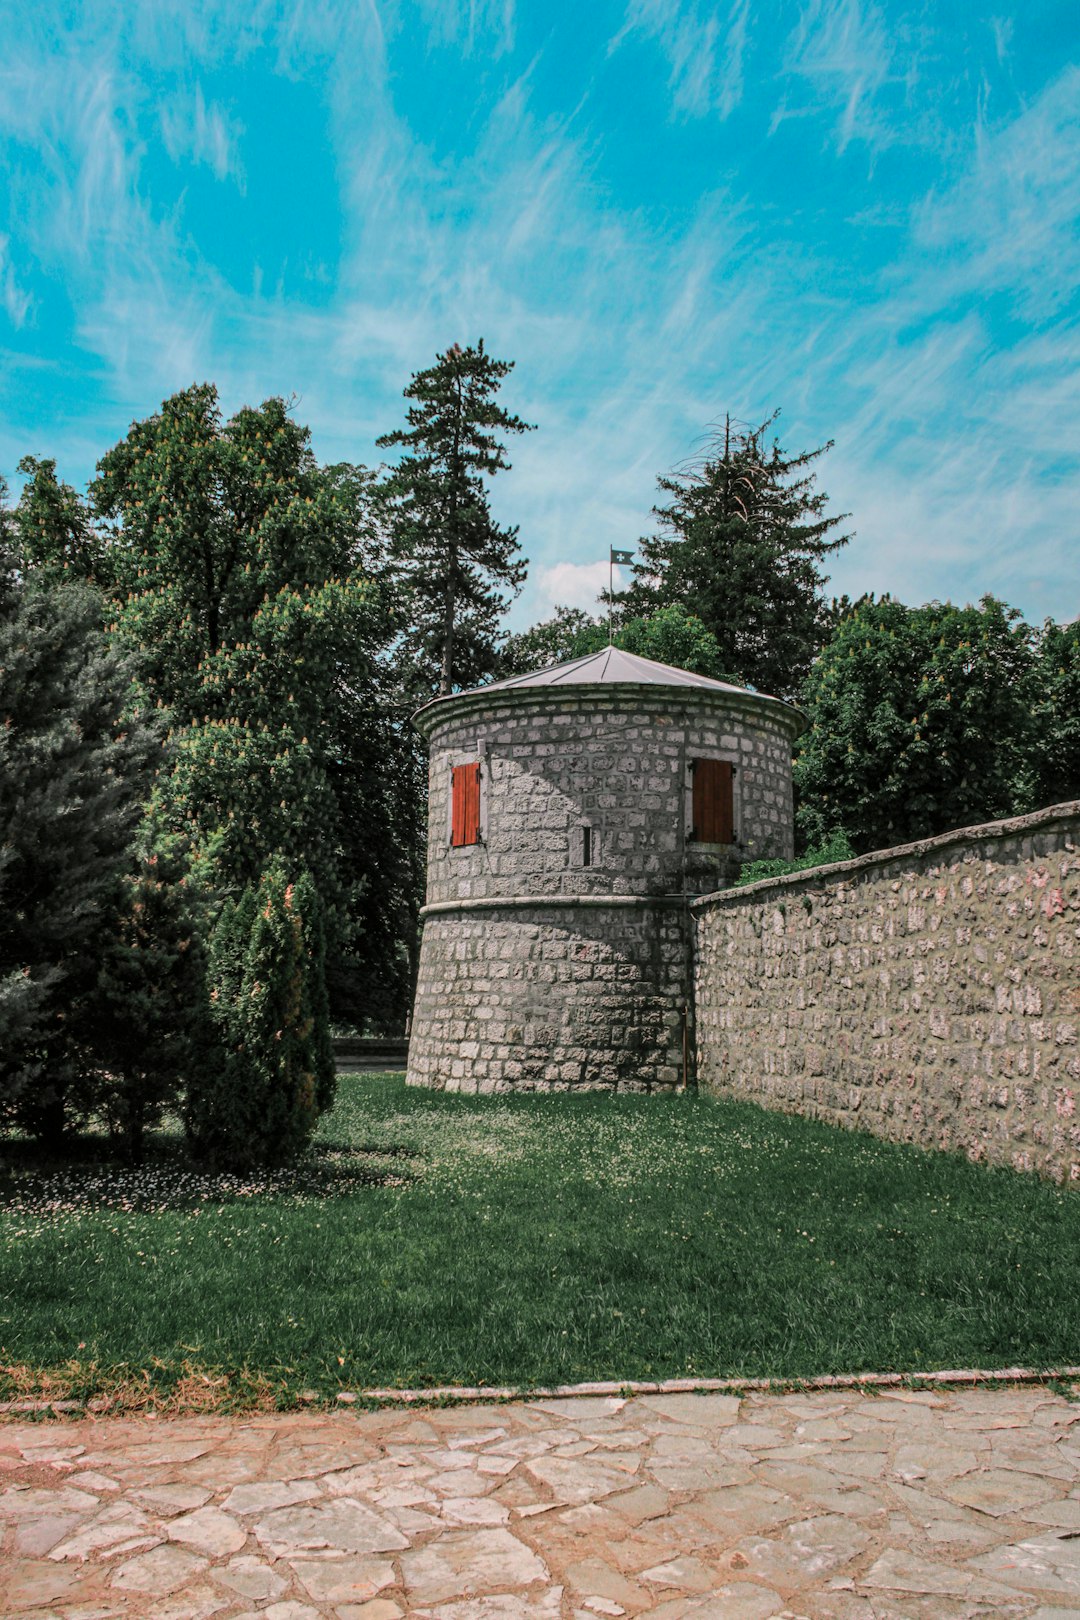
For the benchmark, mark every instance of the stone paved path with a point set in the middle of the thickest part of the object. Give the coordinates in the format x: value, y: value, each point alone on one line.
x: 682, y: 1507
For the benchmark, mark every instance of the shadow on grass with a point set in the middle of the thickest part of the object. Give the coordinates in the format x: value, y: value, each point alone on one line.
x: 91, y: 1177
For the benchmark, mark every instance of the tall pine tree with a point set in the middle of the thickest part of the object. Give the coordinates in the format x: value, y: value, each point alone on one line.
x: 740, y: 547
x: 456, y: 559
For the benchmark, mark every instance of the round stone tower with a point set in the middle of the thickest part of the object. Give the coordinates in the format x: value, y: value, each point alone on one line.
x: 573, y: 814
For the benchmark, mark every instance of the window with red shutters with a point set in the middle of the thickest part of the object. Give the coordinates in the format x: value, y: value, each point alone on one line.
x: 713, y: 801
x: 464, y: 805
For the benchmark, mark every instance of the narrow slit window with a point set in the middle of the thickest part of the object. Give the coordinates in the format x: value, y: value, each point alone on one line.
x: 464, y: 805
x: 586, y: 846
x: 713, y: 802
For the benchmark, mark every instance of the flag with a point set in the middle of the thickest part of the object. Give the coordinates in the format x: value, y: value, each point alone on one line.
x: 621, y: 556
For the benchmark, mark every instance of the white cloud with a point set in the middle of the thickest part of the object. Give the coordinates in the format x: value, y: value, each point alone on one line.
x: 705, y: 49
x: 842, y: 51
x: 200, y: 133
x: 568, y: 584
x: 16, y: 300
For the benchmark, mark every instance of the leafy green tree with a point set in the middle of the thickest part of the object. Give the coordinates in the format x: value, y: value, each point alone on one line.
x: 740, y: 546
x: 1056, y: 766
x: 668, y: 636
x: 456, y: 559
x: 55, y: 526
x: 251, y: 582
x: 76, y: 760
x: 921, y: 720
x: 260, y: 1104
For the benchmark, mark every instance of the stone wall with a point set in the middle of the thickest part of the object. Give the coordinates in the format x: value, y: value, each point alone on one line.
x: 928, y: 994
x: 617, y: 760
x: 535, y: 997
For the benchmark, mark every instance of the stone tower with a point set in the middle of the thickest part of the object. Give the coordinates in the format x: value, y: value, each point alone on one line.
x: 574, y: 812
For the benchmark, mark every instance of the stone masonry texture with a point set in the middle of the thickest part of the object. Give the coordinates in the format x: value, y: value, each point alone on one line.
x: 927, y: 994
x: 539, y: 970
x: 911, y: 1505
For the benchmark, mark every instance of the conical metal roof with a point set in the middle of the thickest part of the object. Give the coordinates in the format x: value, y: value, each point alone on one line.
x: 609, y: 667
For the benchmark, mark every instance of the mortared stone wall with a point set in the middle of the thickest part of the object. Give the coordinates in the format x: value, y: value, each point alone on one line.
x: 928, y: 994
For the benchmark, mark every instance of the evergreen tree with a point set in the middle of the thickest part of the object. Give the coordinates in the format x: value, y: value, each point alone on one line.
x: 142, y: 1026
x: 76, y: 757
x: 740, y: 546
x: 259, y: 1105
x: 456, y: 560
x: 921, y: 720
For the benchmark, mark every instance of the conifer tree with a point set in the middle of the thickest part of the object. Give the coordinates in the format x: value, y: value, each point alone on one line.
x: 258, y: 1103
x: 76, y: 761
x: 456, y: 560
x: 740, y: 547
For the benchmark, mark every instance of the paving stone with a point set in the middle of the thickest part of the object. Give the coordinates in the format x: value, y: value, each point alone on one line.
x: 688, y: 1573
x: 898, y: 1571
x: 344, y: 1524
x: 343, y: 1580
x: 165, y: 1500
x: 1046, y: 1564
x: 703, y: 1411
x: 196, y: 1602
x: 111, y: 1529
x: 545, y: 1605
x: 831, y: 1506
x: 802, y: 1553
x: 474, y: 1510
x: 208, y: 1530
x: 1065, y: 1513
x: 998, y: 1491
x: 578, y: 1479
x: 20, y: 1502
x: 376, y: 1609
x: 159, y: 1571
x: 251, y: 1577
x: 595, y: 1578
x: 245, y: 1499
x: 461, y: 1563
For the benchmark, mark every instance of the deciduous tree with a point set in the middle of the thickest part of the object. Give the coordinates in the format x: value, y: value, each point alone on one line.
x: 921, y: 720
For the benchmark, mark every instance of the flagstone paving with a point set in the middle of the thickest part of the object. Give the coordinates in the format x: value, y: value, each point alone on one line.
x: 905, y: 1505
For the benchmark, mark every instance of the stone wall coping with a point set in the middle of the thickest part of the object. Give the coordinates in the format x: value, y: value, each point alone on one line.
x: 1053, y: 815
x: 607, y: 695
x: 565, y: 902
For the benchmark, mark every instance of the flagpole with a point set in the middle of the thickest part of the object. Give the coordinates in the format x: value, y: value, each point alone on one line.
x: 610, y: 592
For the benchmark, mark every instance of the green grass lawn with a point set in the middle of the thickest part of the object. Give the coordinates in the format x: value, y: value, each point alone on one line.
x: 523, y: 1240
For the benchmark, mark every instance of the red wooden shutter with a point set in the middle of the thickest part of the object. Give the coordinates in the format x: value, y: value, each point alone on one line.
x: 465, y: 805
x: 714, y: 802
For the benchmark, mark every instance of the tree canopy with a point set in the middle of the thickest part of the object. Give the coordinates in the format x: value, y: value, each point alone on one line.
x: 668, y: 636
x: 921, y: 719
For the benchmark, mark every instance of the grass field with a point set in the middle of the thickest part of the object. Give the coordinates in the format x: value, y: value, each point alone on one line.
x: 522, y: 1240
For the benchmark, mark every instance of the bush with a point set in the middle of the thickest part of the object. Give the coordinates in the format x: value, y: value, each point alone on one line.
x: 833, y: 848
x: 257, y: 1101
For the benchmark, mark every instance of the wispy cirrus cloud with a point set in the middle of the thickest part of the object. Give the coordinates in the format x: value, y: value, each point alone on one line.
x: 943, y: 363
x: 203, y: 133
x: 705, y: 47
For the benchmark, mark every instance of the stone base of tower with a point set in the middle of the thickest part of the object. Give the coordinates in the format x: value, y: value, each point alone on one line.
x: 533, y: 995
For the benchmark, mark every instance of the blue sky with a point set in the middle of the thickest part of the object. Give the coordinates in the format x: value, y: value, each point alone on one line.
x: 662, y: 210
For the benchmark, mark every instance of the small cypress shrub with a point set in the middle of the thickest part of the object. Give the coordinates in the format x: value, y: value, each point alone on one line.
x: 259, y: 1097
